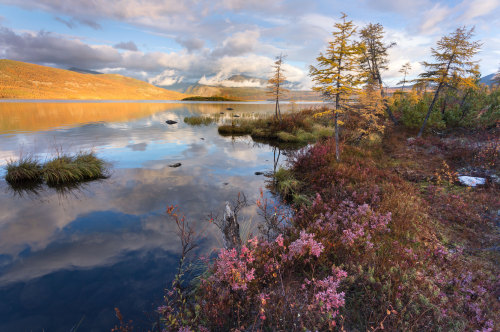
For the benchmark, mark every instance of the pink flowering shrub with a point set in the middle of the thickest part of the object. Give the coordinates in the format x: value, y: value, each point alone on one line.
x: 304, y: 245
x: 347, y: 223
x: 326, y: 298
x: 233, y: 267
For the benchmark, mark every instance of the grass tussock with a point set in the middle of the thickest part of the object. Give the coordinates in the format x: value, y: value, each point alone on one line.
x: 26, y: 169
x: 64, y: 169
x: 199, y: 120
x: 71, y: 169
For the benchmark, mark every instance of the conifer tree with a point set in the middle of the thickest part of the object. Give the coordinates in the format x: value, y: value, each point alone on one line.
x: 276, y: 82
x: 336, y: 74
x: 453, y: 64
x: 375, y: 58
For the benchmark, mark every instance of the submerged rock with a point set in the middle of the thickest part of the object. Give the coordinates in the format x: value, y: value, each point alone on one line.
x: 170, y: 122
x: 175, y: 165
x: 471, y: 181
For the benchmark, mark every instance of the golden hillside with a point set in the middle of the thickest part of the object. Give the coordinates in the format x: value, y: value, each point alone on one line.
x: 20, y: 80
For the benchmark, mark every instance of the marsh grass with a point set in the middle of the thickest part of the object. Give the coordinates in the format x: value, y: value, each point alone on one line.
x: 295, y: 127
x: 26, y: 169
x: 71, y: 169
x: 200, y: 120
x: 64, y: 169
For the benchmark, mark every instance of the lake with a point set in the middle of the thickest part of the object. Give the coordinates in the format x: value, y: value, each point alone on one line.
x: 69, y: 256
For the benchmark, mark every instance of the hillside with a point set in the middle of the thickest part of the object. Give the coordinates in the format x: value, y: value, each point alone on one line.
x: 247, y: 93
x: 20, y: 80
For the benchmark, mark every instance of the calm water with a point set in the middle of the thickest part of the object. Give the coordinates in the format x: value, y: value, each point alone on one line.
x: 69, y: 257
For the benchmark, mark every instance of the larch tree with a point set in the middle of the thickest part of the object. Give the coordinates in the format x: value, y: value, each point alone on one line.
x: 336, y: 74
x: 276, y: 82
x: 453, y: 64
x: 375, y: 58
x: 370, y: 112
x: 405, y: 70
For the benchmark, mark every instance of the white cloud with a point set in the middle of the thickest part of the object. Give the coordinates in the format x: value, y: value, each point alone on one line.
x: 478, y: 8
x: 434, y: 17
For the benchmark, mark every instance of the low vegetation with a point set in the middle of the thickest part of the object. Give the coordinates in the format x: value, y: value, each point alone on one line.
x: 200, y: 120
x: 386, y: 238
x: 63, y: 169
x: 300, y: 127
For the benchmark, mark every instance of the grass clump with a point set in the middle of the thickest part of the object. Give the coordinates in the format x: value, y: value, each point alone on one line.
x: 71, y: 169
x: 235, y: 129
x: 26, y: 169
x: 199, y: 120
x: 64, y: 169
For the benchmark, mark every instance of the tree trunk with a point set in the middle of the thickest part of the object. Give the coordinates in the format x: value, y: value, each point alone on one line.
x: 231, y: 229
x: 386, y: 105
x: 337, y: 153
x: 430, y: 110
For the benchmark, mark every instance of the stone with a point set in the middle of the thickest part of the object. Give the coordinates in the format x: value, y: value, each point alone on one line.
x: 170, y: 122
x: 471, y: 181
x: 230, y: 108
x: 236, y: 116
x: 175, y: 165
x: 259, y: 173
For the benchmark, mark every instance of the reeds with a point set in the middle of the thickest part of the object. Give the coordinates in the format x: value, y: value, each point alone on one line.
x: 63, y: 169
x: 199, y: 120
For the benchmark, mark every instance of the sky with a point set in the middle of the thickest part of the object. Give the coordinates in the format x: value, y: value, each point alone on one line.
x: 166, y: 42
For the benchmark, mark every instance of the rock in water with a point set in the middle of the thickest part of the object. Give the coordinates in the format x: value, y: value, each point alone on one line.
x: 230, y: 108
x: 471, y: 181
x: 236, y: 116
x: 259, y: 173
x: 170, y: 122
x: 175, y: 165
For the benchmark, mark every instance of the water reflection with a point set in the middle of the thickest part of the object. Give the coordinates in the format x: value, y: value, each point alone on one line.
x: 73, y: 253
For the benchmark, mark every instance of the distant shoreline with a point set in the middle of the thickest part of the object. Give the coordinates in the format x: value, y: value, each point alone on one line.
x: 150, y: 101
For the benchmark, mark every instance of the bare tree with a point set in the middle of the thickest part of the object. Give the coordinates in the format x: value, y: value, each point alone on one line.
x: 405, y: 70
x: 276, y: 82
x: 375, y: 59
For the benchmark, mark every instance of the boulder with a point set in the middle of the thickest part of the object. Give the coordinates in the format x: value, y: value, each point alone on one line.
x: 236, y: 116
x: 259, y: 173
x: 471, y: 181
x: 230, y: 108
x: 175, y: 165
x: 170, y: 122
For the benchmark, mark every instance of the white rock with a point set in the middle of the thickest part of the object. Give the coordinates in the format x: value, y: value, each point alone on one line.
x: 471, y: 181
